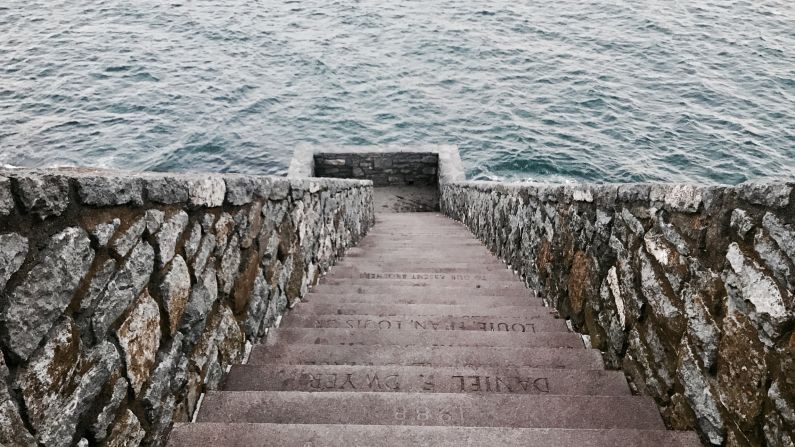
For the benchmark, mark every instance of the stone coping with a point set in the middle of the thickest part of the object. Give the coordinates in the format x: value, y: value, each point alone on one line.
x: 451, y: 169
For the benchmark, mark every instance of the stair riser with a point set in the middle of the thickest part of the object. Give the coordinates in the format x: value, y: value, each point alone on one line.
x: 432, y: 283
x: 397, y: 299
x: 494, y: 410
x: 426, y: 356
x: 425, y: 380
x: 356, y: 337
x: 370, y: 273
x: 420, y: 291
x: 515, y: 326
x: 311, y: 308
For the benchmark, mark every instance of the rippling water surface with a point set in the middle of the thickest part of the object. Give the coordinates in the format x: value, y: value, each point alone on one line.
x: 700, y: 90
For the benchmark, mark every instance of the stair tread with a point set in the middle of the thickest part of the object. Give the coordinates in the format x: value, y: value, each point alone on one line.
x: 368, y: 337
x: 321, y: 308
x: 426, y: 356
x: 445, y: 290
x: 323, y: 435
x: 439, y: 409
x: 428, y: 298
x: 419, y: 379
x: 487, y: 323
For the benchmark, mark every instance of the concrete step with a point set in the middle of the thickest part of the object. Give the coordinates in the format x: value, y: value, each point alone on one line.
x: 367, y: 272
x: 321, y: 435
x: 422, y: 267
x: 298, y: 354
x: 434, y: 409
x: 389, y: 289
x: 420, y: 379
x: 314, y: 308
x: 429, y: 280
x: 317, y: 297
x: 367, y: 337
x: 487, y: 323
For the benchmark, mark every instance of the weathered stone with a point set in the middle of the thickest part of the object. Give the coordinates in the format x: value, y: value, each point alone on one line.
x: 662, y: 305
x: 168, y: 236
x: 6, y: 198
x: 129, y: 238
x: 154, y: 220
x: 746, y: 284
x: 209, y: 191
x: 699, y: 395
x: 192, y: 244
x: 167, y: 189
x: 106, y: 190
x: 205, y: 250
x: 230, y: 263
x: 157, y: 400
x: 99, y: 427
x: 125, y: 286
x: 741, y: 222
x: 683, y: 198
x: 127, y: 431
x: 774, y: 259
x: 256, y: 308
x: 43, y: 195
x: 207, y: 222
x: 742, y: 371
x: 89, y: 301
x: 60, y: 379
x: 12, y: 428
x: 701, y: 327
x: 279, y: 189
x: 139, y: 338
x: 783, y: 234
x: 254, y: 226
x: 174, y: 291
x: 13, y: 250
x: 202, y: 297
x: 775, y: 195
x: 221, y: 346
x: 46, y: 290
x: 241, y: 190
x: 103, y: 232
x: 223, y: 228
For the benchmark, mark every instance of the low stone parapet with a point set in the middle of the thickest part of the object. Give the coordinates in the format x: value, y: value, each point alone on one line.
x: 689, y: 289
x: 126, y: 296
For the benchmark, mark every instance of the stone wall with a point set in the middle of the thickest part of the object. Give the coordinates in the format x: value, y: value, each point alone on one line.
x: 384, y: 169
x: 691, y: 290
x: 125, y: 297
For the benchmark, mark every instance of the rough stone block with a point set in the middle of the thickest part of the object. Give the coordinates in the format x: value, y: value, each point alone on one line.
x: 6, y: 198
x: 13, y: 250
x: 42, y: 195
x: 46, y: 290
x: 139, y: 338
x: 208, y: 192
x: 107, y: 190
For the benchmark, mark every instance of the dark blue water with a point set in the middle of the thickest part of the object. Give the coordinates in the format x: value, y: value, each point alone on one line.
x: 700, y: 90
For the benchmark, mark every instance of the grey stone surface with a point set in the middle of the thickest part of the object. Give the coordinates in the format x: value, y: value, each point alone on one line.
x: 241, y: 190
x: 107, y: 190
x: 46, y: 290
x: 206, y: 191
x: 103, y: 232
x: 741, y: 222
x: 192, y: 244
x: 125, y: 241
x: 123, y: 288
x: 167, y: 189
x: 42, y: 195
x: 13, y: 250
x: 12, y: 428
x: 89, y: 302
x: 168, y: 236
x: 174, y: 291
x: 203, y: 255
x: 770, y: 194
x: 700, y: 397
x: 783, y: 234
x: 127, y: 431
x: 139, y: 339
x: 59, y: 378
x: 6, y: 197
x: 154, y: 219
x: 384, y: 169
x: 103, y: 421
x: 230, y: 263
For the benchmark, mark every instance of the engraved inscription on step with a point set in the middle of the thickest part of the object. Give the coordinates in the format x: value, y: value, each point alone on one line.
x: 373, y: 381
x: 436, y: 325
x: 424, y: 276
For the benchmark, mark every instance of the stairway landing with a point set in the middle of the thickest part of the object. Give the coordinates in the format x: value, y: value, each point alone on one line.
x: 420, y: 336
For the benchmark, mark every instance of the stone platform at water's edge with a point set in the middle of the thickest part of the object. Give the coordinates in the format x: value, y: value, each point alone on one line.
x: 422, y: 337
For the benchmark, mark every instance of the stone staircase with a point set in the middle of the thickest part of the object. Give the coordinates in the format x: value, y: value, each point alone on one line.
x: 422, y: 337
